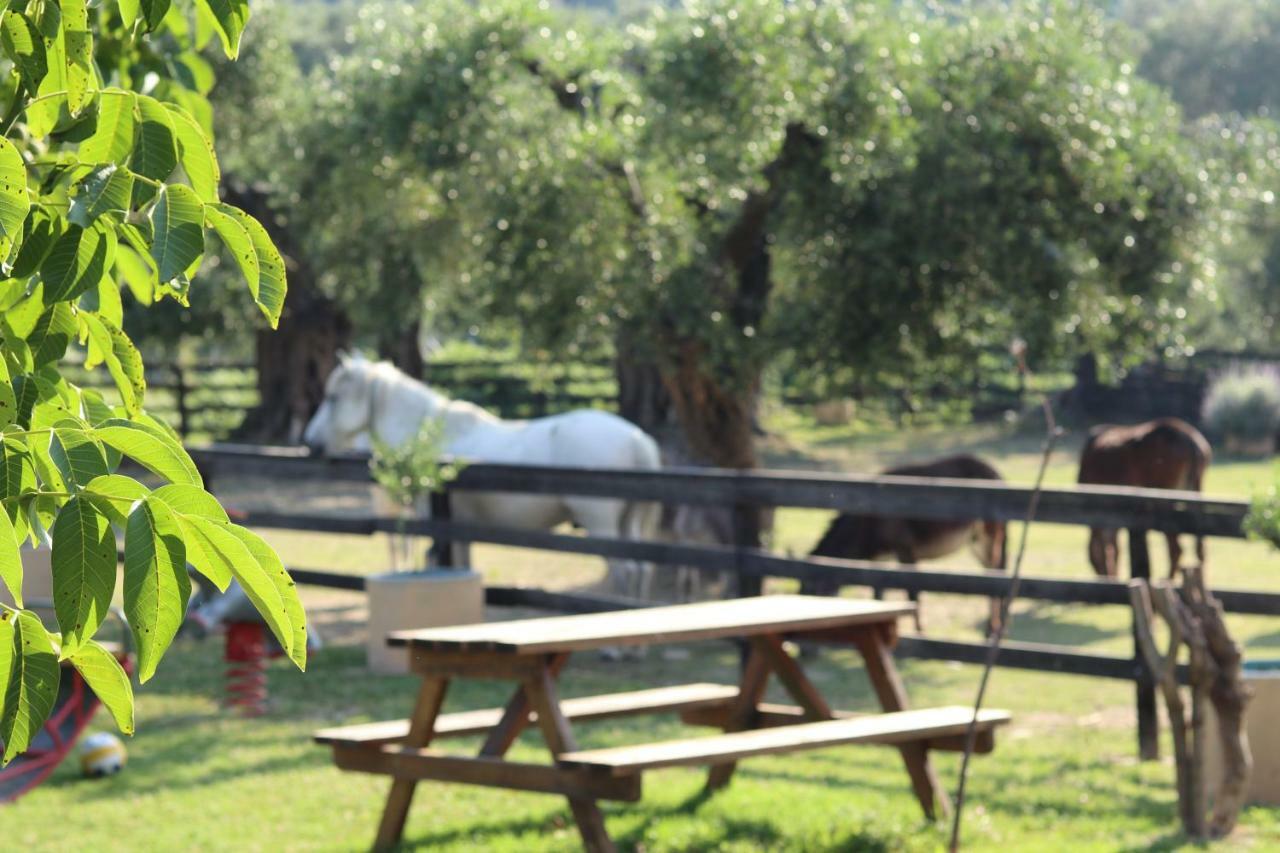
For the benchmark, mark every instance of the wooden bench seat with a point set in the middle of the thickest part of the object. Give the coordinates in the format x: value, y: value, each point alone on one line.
x: 774, y: 714
x: 678, y: 698
x: 899, y: 727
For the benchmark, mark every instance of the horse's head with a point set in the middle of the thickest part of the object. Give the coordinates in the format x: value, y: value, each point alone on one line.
x: 347, y: 409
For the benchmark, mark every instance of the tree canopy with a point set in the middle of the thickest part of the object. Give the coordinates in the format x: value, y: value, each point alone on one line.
x: 865, y: 189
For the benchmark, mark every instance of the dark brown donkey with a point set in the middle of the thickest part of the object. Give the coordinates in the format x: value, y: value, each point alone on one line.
x: 871, y: 537
x: 1163, y: 454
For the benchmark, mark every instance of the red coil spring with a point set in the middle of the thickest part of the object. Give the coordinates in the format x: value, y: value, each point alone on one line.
x: 246, y: 656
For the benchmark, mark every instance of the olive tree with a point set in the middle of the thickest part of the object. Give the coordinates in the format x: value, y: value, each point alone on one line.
x: 869, y: 191
x: 109, y: 180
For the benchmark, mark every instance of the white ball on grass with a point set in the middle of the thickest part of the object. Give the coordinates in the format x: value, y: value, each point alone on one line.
x: 102, y: 754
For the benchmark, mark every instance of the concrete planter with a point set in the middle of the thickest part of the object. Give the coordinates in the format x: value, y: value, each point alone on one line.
x: 404, y: 600
x: 1263, y: 677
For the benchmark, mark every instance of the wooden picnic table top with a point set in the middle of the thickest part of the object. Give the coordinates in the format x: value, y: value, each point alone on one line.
x: 740, y: 617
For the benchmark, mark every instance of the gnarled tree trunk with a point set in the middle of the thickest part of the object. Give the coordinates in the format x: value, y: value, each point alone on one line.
x: 293, y: 361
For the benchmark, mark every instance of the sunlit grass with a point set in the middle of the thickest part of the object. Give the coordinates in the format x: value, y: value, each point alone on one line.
x: 1063, y: 776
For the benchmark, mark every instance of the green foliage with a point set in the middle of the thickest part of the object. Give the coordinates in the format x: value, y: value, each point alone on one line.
x: 1215, y: 56
x: 410, y: 471
x: 871, y: 191
x: 1245, y: 403
x: 101, y: 186
x: 1263, y: 521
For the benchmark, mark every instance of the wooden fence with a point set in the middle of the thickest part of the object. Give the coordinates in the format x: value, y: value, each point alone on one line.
x: 1138, y: 510
x: 206, y: 399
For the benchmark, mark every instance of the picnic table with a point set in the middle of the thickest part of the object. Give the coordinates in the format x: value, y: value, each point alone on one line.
x: 533, y: 652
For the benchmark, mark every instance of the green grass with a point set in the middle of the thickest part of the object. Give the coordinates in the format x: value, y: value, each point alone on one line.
x: 1063, y: 776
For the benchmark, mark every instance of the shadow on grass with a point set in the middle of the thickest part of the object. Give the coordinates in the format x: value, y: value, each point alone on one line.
x: 715, y: 833
x: 1044, y: 623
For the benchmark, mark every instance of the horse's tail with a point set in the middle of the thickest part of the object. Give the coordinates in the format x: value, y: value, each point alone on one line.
x: 642, y: 519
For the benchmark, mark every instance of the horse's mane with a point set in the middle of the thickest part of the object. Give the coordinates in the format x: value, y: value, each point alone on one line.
x: 457, y: 414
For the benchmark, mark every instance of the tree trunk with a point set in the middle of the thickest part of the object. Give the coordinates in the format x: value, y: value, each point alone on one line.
x: 403, y: 351
x: 715, y: 415
x: 294, y: 360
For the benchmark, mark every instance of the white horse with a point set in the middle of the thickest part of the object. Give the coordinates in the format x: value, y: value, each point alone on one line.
x: 364, y: 398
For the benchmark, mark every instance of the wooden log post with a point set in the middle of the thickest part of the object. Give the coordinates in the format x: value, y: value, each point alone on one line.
x: 1145, y: 689
x: 441, y: 552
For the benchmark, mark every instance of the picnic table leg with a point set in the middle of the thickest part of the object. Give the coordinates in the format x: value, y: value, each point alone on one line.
x: 742, y: 716
x: 421, y: 727
x: 893, y: 697
x: 542, y: 695
x: 515, y: 717
x: 794, y: 679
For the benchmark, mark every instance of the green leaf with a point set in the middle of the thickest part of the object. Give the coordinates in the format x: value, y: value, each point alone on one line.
x: 77, y: 54
x: 154, y: 11
x: 129, y: 12
x: 14, y: 202
x: 230, y: 16
x: 109, y: 493
x: 17, y: 475
x: 33, y: 682
x: 84, y: 571
x: 8, y: 401
x: 53, y: 331
x: 268, y: 586
x: 156, y: 586
x: 77, y: 455
x: 41, y: 232
x: 47, y: 110
x: 191, y: 500
x: 112, y: 140
x: 206, y: 551
x: 25, y: 48
x: 220, y: 556
x: 104, y: 300
x: 76, y: 263
x: 96, y: 411
x: 270, y: 290
x: 108, y: 681
x: 151, y: 449
x: 237, y: 240
x: 108, y: 189
x: 138, y: 272
x: 109, y: 344
x: 155, y: 153
x: 195, y: 72
x: 20, y: 319
x: 195, y: 153
x: 178, y: 220
x: 10, y: 558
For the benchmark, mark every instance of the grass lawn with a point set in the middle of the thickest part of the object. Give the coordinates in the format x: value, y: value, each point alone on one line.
x: 1063, y: 776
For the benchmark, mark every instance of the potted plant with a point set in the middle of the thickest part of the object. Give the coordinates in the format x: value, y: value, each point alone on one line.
x: 415, y: 594
x: 1243, y: 407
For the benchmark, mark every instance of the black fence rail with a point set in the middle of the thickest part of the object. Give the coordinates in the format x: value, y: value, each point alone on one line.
x: 1138, y: 510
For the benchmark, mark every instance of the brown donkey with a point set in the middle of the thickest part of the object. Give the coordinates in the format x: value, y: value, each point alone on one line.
x: 1163, y: 454
x: 908, y: 540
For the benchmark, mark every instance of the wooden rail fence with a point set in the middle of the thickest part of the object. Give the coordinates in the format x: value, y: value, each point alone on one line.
x: 1138, y: 510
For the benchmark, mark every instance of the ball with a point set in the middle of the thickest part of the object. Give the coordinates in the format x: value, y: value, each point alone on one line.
x: 101, y: 754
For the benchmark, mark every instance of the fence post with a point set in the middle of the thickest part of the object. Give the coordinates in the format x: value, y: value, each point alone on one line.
x: 1148, y: 721
x: 746, y: 535
x: 441, y: 553
x: 180, y: 400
